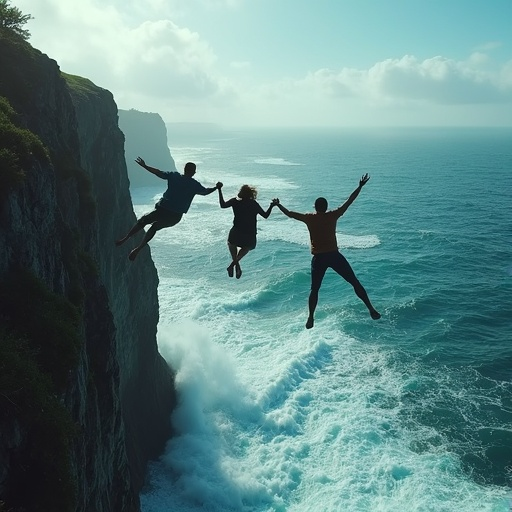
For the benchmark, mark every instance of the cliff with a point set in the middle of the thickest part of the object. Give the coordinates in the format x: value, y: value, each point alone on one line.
x: 146, y: 136
x: 85, y: 397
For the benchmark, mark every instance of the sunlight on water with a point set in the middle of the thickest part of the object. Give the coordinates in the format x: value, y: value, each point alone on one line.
x: 354, y: 415
x: 316, y: 424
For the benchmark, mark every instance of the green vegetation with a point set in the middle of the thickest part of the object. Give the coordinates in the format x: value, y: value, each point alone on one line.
x: 81, y: 86
x: 23, y: 70
x: 12, y: 19
x: 38, y: 351
x: 40, y: 331
x: 18, y: 147
x: 53, y: 323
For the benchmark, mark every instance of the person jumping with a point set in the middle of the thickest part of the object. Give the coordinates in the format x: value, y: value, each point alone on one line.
x: 176, y: 200
x: 324, y: 248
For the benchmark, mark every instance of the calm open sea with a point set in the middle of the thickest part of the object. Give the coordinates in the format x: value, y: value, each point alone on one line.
x: 409, y: 413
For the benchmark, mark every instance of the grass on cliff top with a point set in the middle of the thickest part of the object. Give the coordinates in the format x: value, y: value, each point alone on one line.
x: 81, y: 86
x: 18, y: 146
x: 20, y: 65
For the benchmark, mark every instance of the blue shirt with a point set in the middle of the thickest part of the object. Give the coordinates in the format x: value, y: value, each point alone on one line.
x: 180, y: 191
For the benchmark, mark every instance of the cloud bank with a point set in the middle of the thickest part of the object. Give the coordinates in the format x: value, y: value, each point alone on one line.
x: 156, y: 65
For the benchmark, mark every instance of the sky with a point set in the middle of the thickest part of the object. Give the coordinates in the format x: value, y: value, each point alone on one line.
x: 283, y: 63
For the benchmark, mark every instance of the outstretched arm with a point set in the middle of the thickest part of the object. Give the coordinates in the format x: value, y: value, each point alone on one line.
x: 209, y: 190
x: 153, y: 170
x: 266, y: 214
x: 288, y: 213
x: 206, y: 191
x: 222, y: 203
x: 362, y: 182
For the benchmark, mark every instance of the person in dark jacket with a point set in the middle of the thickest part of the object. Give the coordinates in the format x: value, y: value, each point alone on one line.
x: 176, y: 200
x: 242, y: 236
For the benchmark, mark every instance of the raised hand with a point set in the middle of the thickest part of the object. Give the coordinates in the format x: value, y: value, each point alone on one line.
x: 275, y: 201
x: 364, y: 180
x: 219, y: 185
x: 140, y: 161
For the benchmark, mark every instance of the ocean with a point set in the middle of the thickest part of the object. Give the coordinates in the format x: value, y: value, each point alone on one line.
x: 412, y: 412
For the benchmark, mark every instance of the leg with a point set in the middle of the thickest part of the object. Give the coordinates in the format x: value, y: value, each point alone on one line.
x: 361, y: 293
x: 312, y: 302
x: 318, y: 269
x: 343, y: 268
x: 236, y: 256
x: 142, y: 222
x: 159, y: 219
x: 241, y: 253
x: 239, y: 239
x: 147, y: 237
x: 232, y: 250
x: 132, y: 232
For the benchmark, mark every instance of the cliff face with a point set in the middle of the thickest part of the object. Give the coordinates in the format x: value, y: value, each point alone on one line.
x: 146, y: 136
x: 58, y: 224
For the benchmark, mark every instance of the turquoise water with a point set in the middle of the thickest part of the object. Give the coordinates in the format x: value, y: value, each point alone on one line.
x: 412, y: 412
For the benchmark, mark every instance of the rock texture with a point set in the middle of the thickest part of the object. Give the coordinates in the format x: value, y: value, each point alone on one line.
x: 146, y: 136
x: 60, y: 224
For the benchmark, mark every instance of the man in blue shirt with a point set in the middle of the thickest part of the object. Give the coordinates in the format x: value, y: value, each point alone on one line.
x: 181, y: 189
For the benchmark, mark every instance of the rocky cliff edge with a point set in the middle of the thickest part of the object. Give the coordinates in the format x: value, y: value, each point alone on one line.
x: 85, y: 397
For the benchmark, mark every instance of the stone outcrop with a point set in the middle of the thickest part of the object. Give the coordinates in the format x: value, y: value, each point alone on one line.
x: 146, y: 136
x: 58, y: 224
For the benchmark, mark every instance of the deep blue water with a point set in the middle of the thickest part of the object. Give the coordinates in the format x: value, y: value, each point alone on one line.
x: 412, y: 412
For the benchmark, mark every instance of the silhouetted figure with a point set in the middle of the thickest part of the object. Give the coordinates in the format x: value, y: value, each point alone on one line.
x: 176, y: 200
x: 324, y: 247
x: 242, y: 236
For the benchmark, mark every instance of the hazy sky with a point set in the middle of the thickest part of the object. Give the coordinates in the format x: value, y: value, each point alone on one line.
x: 289, y: 62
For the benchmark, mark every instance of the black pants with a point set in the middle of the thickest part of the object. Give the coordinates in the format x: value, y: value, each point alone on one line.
x: 335, y: 260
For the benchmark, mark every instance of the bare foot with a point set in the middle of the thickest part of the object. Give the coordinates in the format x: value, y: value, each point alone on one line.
x: 120, y: 241
x: 375, y: 314
x: 310, y: 322
x: 133, y: 254
x: 230, y: 270
x: 238, y: 271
